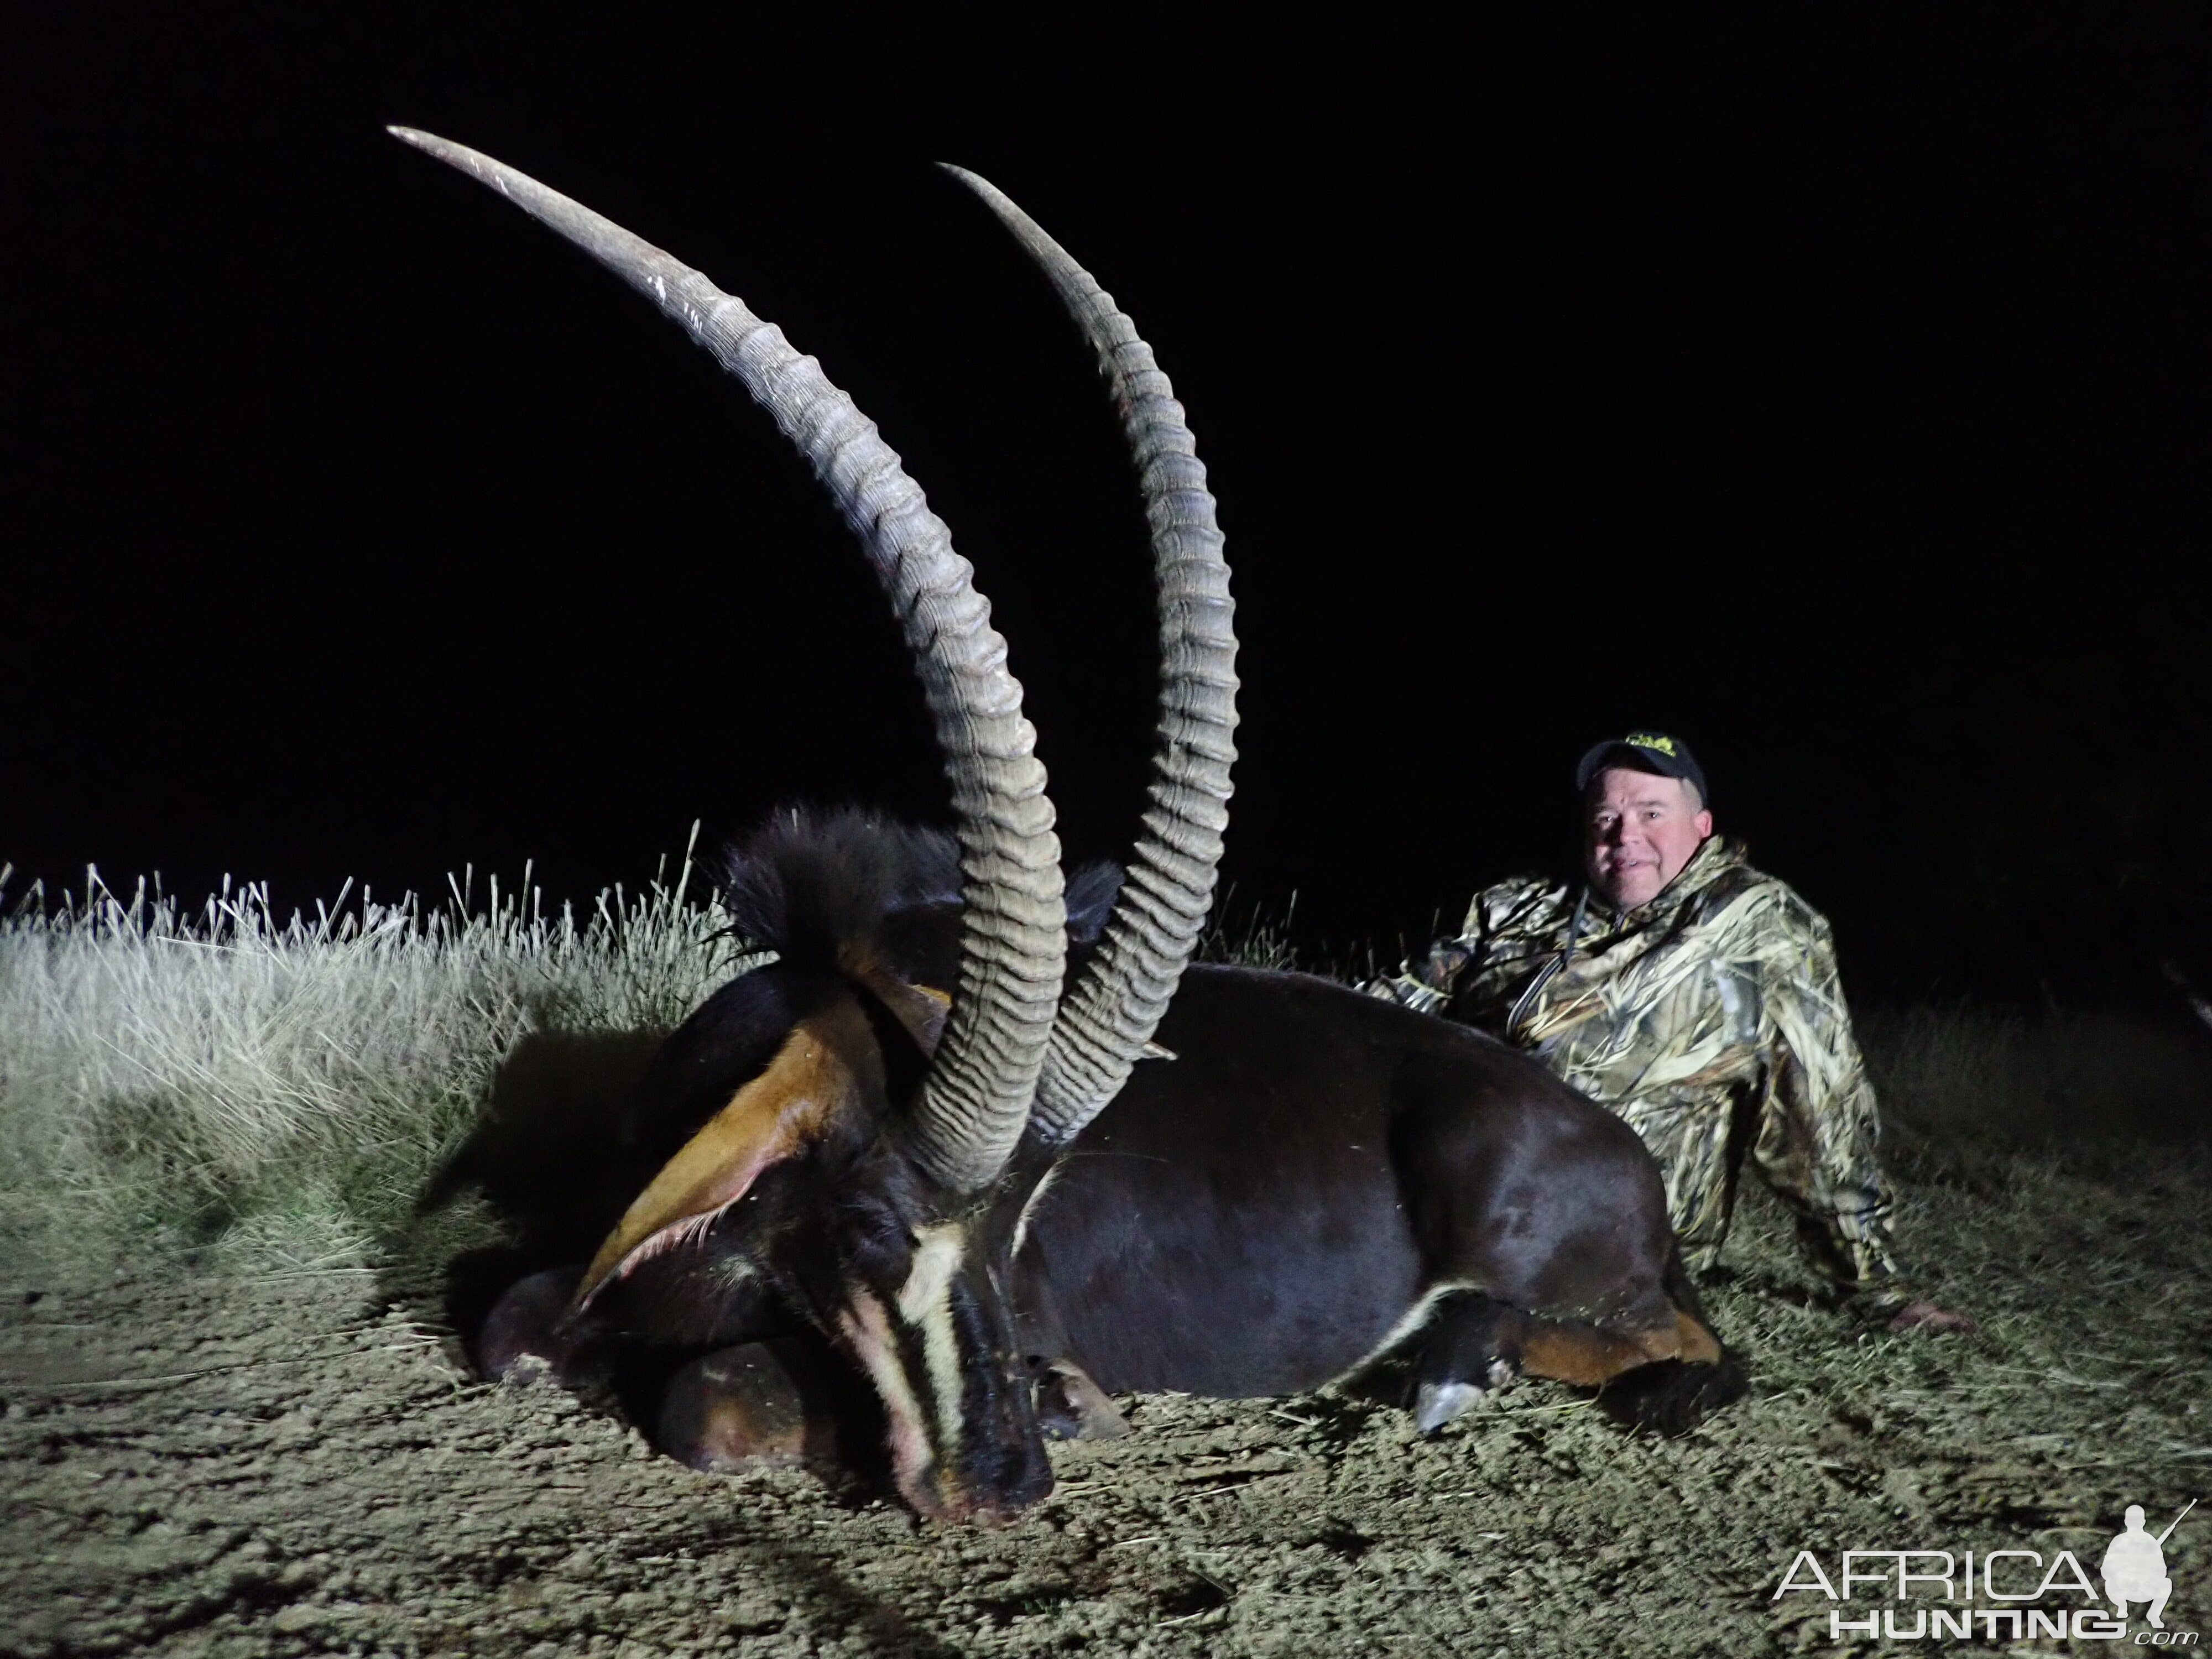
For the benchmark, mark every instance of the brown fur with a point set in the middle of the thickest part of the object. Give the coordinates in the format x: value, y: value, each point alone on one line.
x: 823, y: 1069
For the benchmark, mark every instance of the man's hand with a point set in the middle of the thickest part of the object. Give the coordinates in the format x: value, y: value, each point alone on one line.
x: 1927, y: 1316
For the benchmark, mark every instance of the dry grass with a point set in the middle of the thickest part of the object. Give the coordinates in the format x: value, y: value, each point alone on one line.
x: 280, y: 1090
x: 1252, y: 935
x: 1962, y: 1074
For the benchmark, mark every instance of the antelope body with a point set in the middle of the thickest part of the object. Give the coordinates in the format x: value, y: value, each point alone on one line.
x: 914, y: 1133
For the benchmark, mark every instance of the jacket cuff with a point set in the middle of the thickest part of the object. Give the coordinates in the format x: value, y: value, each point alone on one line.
x: 1853, y: 1252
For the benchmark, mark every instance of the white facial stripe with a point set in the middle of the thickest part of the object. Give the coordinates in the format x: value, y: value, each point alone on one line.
x: 925, y: 1301
x: 936, y: 1258
x: 1409, y: 1321
x: 869, y: 1332
x: 1029, y: 1208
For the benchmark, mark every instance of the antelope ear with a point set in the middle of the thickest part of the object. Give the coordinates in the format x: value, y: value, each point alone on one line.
x: 813, y: 1082
x: 920, y: 1009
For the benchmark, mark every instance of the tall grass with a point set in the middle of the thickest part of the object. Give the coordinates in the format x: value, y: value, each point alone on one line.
x: 1956, y: 1075
x: 280, y: 1090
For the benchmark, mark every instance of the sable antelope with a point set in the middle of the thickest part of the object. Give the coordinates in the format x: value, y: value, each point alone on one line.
x: 905, y: 1134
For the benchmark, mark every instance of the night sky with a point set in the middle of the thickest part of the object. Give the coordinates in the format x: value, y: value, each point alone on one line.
x: 1835, y: 393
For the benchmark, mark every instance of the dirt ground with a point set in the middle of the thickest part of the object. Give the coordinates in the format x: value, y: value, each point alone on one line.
x: 197, y: 1464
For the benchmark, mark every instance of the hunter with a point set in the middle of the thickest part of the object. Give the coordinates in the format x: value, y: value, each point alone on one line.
x: 1696, y: 997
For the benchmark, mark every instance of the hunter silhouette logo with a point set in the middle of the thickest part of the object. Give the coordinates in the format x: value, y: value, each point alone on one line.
x: 2134, y: 1567
x: 2132, y: 1573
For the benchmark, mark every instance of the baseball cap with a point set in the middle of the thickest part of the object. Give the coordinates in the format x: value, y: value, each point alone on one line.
x: 1645, y: 752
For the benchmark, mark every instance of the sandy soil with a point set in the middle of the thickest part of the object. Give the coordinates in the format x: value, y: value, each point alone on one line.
x: 195, y: 1464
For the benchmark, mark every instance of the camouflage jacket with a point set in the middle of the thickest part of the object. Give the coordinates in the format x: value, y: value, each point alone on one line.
x: 1711, y: 1018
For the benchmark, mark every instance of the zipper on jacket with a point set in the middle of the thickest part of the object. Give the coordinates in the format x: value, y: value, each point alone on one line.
x: 1552, y: 969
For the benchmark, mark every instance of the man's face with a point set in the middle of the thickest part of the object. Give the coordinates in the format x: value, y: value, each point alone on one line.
x: 1640, y: 829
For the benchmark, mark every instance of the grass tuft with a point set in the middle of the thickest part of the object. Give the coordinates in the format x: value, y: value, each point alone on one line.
x: 278, y: 1090
x: 1249, y: 936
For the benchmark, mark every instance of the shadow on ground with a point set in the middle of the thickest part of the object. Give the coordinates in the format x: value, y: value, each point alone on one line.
x: 550, y: 1159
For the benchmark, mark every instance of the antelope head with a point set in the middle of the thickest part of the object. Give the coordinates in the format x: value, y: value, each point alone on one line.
x: 863, y: 1171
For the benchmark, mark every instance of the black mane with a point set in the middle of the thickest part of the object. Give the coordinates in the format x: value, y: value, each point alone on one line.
x: 808, y: 882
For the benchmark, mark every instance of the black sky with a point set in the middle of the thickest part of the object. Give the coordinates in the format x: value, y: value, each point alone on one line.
x: 1834, y: 391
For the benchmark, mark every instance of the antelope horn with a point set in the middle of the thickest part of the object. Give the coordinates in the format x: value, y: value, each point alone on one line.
x: 1013, y: 939
x: 1109, y: 1016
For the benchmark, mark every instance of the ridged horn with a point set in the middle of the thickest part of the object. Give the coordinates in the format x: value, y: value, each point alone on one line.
x: 1013, y: 940
x: 1106, y: 1020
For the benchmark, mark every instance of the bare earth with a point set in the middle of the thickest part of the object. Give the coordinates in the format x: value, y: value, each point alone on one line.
x: 195, y: 1464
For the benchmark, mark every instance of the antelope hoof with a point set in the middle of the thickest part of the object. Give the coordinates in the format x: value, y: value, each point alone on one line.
x: 1070, y: 1407
x: 756, y: 1405
x: 522, y: 1341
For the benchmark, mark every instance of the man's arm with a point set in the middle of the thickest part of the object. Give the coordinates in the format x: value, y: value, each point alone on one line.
x: 1816, y: 1144
x: 1817, y: 1134
x: 1505, y: 912
x: 1427, y: 985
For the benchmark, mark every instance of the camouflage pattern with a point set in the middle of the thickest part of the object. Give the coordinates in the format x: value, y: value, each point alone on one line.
x: 1711, y: 1018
